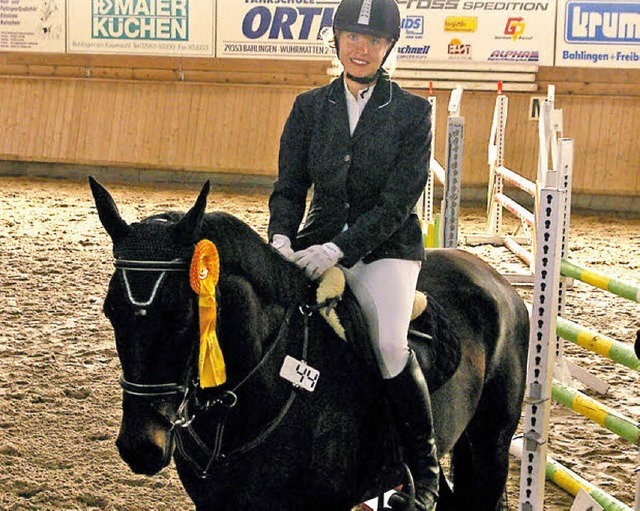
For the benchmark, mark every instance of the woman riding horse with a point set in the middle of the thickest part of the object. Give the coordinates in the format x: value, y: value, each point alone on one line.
x: 363, y: 143
x: 257, y: 442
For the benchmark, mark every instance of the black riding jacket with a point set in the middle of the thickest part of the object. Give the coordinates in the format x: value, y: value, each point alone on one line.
x: 370, y: 181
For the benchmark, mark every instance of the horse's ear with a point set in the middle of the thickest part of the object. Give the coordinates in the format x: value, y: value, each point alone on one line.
x: 108, y: 212
x: 189, y: 225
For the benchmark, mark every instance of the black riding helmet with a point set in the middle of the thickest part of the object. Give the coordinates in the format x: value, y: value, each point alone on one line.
x: 380, y: 18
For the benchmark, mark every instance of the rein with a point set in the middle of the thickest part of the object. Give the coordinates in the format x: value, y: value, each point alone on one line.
x: 221, y: 404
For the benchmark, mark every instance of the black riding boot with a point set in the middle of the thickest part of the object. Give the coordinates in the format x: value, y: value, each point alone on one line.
x: 410, y: 400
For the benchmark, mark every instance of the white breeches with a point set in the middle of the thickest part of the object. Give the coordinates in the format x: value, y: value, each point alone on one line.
x: 385, y: 290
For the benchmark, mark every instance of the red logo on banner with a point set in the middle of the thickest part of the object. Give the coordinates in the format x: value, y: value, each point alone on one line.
x: 514, y: 28
x: 456, y: 49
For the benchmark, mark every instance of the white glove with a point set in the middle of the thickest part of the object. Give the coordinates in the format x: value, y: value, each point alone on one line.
x: 283, y: 245
x: 317, y: 259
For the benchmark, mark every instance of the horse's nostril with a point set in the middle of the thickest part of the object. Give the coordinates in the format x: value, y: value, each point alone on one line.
x: 146, y: 458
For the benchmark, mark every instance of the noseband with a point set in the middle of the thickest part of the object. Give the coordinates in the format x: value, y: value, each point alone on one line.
x: 151, y: 390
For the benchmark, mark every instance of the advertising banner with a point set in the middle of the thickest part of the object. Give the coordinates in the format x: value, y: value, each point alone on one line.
x: 277, y: 29
x: 149, y: 27
x: 32, y: 25
x: 434, y: 30
x: 477, y: 31
x: 598, y: 34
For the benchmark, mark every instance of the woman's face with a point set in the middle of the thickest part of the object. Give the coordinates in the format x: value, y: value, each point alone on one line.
x: 361, y: 54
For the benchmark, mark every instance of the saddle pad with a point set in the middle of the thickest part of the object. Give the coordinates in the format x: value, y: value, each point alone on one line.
x: 431, y: 336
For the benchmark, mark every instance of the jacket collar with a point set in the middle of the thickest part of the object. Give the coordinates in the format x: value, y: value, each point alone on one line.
x: 373, y: 113
x: 382, y: 93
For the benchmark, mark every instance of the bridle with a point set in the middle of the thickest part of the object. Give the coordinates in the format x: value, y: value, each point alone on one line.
x: 145, y: 390
x: 187, y: 389
x: 153, y: 391
x: 222, y: 404
x: 163, y: 267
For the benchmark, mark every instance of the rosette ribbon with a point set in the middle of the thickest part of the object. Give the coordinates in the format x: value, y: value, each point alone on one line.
x: 203, y: 277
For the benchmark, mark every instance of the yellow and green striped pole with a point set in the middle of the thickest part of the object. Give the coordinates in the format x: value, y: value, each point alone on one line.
x: 615, y: 286
x: 596, y: 411
x: 598, y: 343
x: 572, y: 482
x: 436, y: 230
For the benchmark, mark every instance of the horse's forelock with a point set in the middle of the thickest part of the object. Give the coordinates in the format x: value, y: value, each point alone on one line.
x: 153, y: 239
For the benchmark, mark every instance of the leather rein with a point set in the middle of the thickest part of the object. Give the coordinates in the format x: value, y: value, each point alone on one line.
x: 220, y: 405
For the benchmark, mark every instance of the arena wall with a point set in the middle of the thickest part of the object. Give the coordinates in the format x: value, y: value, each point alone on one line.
x: 225, y: 116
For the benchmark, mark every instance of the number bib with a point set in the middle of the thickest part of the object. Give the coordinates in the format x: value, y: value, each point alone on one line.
x: 299, y: 373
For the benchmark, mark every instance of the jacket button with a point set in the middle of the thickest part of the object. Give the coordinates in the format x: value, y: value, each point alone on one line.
x: 347, y: 157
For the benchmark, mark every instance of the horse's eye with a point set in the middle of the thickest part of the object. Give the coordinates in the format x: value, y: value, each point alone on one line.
x: 108, y: 309
x: 110, y: 302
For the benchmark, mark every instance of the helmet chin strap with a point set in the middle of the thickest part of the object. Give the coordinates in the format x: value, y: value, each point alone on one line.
x: 365, y: 80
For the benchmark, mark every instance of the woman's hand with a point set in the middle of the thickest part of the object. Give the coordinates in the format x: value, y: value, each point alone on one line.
x: 283, y: 245
x: 317, y: 259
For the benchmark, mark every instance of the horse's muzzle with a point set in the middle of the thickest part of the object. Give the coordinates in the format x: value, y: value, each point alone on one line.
x: 144, y: 457
x: 144, y: 444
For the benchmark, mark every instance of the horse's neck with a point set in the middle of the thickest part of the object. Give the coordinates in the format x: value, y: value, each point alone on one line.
x: 274, y: 279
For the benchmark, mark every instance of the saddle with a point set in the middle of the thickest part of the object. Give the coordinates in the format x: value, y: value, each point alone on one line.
x: 431, y: 334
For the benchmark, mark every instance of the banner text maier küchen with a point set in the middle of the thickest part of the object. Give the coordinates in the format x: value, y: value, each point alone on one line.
x: 140, y: 19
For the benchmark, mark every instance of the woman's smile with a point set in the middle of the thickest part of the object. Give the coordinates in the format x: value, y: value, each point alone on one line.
x: 362, y: 54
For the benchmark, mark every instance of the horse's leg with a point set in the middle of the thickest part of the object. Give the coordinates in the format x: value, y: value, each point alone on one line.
x: 282, y: 500
x: 445, y: 497
x: 481, y: 456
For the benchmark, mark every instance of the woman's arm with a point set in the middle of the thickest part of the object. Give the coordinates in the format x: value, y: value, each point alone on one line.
x: 288, y: 200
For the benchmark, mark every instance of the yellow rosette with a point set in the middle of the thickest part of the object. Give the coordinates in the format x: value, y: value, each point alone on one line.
x: 203, y: 277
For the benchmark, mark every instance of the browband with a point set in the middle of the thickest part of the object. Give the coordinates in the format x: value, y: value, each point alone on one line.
x: 175, y: 265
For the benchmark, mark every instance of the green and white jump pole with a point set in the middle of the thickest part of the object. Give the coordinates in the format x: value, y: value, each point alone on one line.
x: 597, y: 343
x: 603, y: 415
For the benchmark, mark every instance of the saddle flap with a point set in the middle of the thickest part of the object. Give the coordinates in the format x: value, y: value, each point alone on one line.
x: 432, y: 337
x: 431, y: 334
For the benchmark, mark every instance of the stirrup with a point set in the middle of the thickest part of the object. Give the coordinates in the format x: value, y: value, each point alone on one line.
x: 410, y: 497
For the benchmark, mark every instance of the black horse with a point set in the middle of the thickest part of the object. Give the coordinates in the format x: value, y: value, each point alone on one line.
x: 258, y: 442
